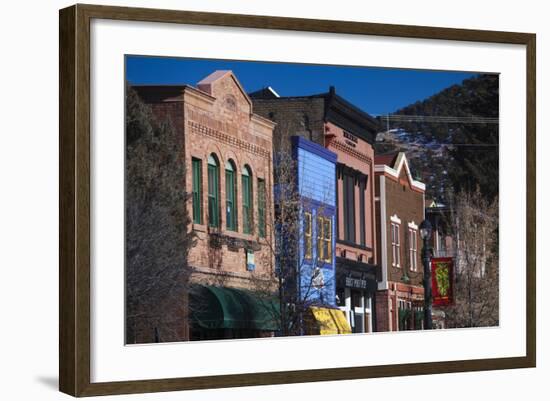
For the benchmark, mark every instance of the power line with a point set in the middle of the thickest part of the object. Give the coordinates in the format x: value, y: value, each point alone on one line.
x: 439, y: 119
x: 470, y: 144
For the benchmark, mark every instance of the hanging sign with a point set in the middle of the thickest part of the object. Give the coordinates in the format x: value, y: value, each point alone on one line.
x: 442, y: 281
x: 250, y: 265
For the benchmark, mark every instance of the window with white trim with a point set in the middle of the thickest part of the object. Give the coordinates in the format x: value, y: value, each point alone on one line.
x: 413, y: 250
x: 395, y: 245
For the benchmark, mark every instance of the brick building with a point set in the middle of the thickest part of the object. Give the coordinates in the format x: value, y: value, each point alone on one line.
x: 399, y: 211
x: 330, y: 121
x: 228, y: 159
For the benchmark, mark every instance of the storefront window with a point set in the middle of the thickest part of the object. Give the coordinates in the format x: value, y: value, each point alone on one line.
x: 358, y: 309
x: 405, y: 315
x: 357, y: 299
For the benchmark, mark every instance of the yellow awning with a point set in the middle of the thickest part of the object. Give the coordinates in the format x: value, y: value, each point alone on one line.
x: 330, y: 321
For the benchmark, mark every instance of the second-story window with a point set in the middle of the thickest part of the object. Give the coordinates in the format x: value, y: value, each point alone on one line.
x: 349, y: 207
x: 213, y: 191
x: 324, y: 239
x: 308, y: 240
x: 362, y: 193
x: 197, y: 190
x: 413, y: 244
x: 230, y: 210
x: 247, y: 200
x: 395, y: 245
x: 327, y: 240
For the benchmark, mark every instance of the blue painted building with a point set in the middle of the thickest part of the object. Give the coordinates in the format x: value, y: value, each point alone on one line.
x: 315, y: 179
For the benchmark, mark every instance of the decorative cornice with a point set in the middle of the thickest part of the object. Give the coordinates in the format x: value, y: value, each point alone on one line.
x: 224, y: 273
x: 353, y: 245
x: 228, y: 139
x: 350, y: 151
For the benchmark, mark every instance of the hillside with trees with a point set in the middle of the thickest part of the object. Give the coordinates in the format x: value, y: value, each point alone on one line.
x: 451, y: 137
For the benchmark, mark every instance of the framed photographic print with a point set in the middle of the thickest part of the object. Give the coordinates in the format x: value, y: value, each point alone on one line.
x: 346, y: 200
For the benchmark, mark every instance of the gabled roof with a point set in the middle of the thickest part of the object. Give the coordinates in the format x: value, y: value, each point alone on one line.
x: 393, y: 164
x: 207, y: 83
x: 175, y: 93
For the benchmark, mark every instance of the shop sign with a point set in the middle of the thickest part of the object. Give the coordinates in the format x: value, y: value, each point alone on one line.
x: 356, y: 282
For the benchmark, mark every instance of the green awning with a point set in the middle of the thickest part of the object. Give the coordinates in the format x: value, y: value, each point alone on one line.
x: 231, y: 308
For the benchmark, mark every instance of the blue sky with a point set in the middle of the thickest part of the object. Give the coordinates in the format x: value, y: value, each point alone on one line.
x: 375, y: 90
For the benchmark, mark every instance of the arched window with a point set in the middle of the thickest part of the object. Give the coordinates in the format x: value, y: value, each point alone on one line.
x: 230, y: 196
x: 247, y: 200
x: 197, y: 190
x: 213, y: 191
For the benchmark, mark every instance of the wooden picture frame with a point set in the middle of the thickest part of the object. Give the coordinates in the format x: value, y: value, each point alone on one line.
x: 74, y: 204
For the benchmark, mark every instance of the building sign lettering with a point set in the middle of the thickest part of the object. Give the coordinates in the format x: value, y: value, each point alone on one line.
x: 356, y: 282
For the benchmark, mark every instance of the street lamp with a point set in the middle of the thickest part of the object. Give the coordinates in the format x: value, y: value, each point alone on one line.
x: 425, y: 234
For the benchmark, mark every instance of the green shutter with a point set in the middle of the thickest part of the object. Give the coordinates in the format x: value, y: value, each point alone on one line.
x: 197, y: 191
x: 213, y: 184
x: 261, y: 208
x: 246, y: 204
x: 230, y: 199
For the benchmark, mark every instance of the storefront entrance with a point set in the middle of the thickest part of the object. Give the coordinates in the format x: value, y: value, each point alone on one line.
x: 356, y: 285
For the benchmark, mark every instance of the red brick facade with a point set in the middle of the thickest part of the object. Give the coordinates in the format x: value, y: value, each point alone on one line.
x: 358, y: 155
x: 399, y: 212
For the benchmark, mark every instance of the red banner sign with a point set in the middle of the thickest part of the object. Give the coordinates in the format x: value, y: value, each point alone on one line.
x: 442, y: 281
